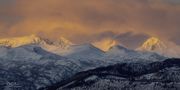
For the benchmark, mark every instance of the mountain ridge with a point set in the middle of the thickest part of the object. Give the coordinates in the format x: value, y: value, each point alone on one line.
x: 162, y: 47
x: 62, y: 45
x: 33, y: 39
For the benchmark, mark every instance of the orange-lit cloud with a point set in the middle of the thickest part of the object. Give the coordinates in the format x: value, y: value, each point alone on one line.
x: 86, y: 20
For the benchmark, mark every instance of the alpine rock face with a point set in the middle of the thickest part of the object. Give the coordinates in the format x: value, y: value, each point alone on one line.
x: 161, y: 47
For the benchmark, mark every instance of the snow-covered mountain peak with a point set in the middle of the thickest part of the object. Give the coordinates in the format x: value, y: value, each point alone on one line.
x: 153, y: 43
x: 19, y: 41
x: 34, y: 39
x: 162, y: 47
x: 105, y: 44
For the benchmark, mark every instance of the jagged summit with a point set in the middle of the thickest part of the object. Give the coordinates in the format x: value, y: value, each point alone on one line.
x: 33, y: 39
x: 19, y: 41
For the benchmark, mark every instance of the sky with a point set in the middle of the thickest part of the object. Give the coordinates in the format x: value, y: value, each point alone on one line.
x: 130, y: 22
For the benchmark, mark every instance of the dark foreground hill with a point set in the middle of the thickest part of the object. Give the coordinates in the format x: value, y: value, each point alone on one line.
x: 164, y: 75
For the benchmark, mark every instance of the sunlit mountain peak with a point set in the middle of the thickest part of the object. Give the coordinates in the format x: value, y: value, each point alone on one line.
x: 33, y: 39
x: 163, y: 47
x: 19, y: 41
x: 63, y: 40
x: 152, y: 43
x: 105, y: 44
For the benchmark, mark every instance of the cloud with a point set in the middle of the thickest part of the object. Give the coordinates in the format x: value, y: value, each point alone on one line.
x: 88, y: 20
x: 132, y: 40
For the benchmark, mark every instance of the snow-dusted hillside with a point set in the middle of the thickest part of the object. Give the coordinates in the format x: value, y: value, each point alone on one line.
x: 162, y: 47
x: 32, y: 67
x: 120, y: 53
x: 27, y: 52
x: 34, y: 74
x: 34, y: 62
x: 163, y: 75
x: 83, y: 51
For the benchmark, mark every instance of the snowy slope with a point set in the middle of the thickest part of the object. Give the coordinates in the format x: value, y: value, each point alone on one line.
x: 120, y: 53
x: 129, y: 76
x: 3, y: 51
x: 32, y: 52
x: 83, y: 51
x: 37, y: 62
x: 34, y: 74
x: 161, y: 47
x: 32, y: 67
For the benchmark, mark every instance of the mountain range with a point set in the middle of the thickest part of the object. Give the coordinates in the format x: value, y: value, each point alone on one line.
x: 126, y: 76
x: 35, y: 62
x: 65, y: 47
